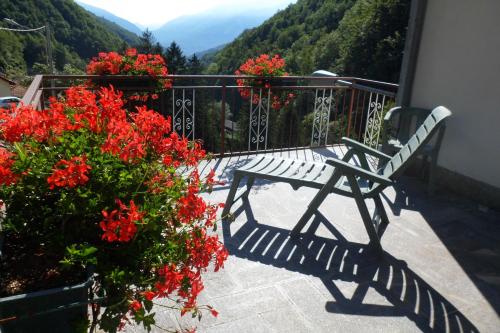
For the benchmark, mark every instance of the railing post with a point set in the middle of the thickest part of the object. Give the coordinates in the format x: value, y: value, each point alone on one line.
x: 223, y: 119
x: 349, y: 121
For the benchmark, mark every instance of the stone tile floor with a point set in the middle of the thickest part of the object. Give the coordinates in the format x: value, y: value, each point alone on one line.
x: 440, y: 271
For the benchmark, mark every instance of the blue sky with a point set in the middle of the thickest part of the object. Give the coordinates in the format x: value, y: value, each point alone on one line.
x: 152, y: 13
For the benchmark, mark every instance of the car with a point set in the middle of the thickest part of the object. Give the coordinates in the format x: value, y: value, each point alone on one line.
x: 8, y: 101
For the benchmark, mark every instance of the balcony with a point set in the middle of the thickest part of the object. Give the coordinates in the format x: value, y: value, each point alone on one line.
x: 439, y: 271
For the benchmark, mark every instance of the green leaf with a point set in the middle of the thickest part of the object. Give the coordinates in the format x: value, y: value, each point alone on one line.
x: 20, y: 151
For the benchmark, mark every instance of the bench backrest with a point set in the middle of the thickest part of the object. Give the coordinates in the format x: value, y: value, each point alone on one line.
x: 433, y: 123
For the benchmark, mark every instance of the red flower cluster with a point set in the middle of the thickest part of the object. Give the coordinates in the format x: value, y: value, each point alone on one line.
x: 105, y: 63
x: 28, y: 122
x: 69, y: 173
x: 264, y: 66
x: 191, y: 206
x: 202, y: 248
x: 115, y: 153
x: 7, y: 177
x: 123, y: 140
x: 120, y: 224
x: 152, y: 126
x: 135, y: 305
x: 131, y: 63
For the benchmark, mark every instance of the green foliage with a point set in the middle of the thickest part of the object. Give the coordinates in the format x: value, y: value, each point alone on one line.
x: 176, y: 60
x: 129, y: 37
x: 351, y: 37
x: 194, y: 65
x: 76, y: 35
x: 147, y: 44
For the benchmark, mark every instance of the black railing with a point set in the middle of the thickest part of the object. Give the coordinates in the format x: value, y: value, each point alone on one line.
x: 210, y: 108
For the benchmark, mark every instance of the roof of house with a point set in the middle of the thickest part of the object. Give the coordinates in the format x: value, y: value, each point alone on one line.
x: 3, y: 78
x: 18, y: 91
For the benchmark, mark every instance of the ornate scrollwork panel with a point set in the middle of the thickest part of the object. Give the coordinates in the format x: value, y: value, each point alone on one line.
x: 374, y: 120
x: 322, y: 105
x: 259, y: 119
x: 183, y: 112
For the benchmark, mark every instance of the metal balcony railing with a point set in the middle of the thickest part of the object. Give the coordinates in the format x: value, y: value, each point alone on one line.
x: 210, y: 108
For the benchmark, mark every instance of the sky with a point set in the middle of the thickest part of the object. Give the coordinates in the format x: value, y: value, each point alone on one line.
x: 153, y: 13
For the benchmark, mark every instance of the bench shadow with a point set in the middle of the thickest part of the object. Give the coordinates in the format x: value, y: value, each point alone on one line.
x: 338, y: 259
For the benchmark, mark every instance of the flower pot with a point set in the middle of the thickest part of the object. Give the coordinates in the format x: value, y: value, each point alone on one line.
x: 137, y: 83
x: 52, y: 310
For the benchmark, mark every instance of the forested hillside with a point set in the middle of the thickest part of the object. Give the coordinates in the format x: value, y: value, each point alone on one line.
x: 362, y: 38
x: 129, y: 37
x: 77, y: 35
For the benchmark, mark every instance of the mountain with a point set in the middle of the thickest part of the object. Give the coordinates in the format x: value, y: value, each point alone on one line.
x: 99, y: 12
x: 209, y: 52
x: 362, y: 38
x: 209, y: 29
x: 129, y: 37
x: 76, y: 35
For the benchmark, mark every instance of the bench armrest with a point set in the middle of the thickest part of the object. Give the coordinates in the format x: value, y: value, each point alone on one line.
x: 365, y: 149
x: 411, y: 111
x: 346, y: 168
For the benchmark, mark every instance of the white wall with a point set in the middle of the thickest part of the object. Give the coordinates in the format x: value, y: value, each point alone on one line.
x: 4, y: 88
x: 459, y: 66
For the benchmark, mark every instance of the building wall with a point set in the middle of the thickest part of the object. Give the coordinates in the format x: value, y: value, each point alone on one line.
x: 4, y: 88
x: 458, y: 66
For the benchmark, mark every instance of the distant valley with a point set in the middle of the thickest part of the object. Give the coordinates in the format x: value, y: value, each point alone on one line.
x: 208, y: 30
x: 201, y: 33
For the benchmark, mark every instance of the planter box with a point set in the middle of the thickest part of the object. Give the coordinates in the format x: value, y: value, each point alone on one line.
x: 52, y: 310
x: 137, y: 83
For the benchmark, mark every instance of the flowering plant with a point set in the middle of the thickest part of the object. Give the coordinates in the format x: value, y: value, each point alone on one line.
x: 131, y: 63
x: 88, y: 183
x: 263, y: 66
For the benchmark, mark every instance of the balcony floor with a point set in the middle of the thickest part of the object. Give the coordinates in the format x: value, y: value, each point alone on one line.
x: 442, y: 256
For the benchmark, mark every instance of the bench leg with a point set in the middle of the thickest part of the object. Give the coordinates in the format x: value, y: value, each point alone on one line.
x: 365, y: 214
x: 314, y: 204
x: 311, y: 209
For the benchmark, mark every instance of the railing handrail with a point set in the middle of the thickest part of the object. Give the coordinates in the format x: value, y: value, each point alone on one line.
x: 340, y: 97
x: 386, y: 88
x: 196, y: 76
x: 347, y: 79
x: 32, y: 95
x: 223, y: 86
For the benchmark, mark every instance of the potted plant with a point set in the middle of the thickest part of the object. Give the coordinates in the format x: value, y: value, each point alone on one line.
x: 266, y: 70
x: 86, y: 183
x: 147, y: 68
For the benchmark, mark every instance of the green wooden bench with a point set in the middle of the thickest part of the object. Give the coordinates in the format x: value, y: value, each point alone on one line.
x: 340, y: 176
x: 400, y: 123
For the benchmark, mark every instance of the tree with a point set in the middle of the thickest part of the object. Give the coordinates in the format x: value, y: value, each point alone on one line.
x: 157, y: 49
x: 194, y: 65
x: 176, y: 61
x: 146, y: 42
x: 75, y: 34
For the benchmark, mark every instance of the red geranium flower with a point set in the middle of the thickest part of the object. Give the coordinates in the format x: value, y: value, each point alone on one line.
x: 263, y: 66
x: 69, y: 173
